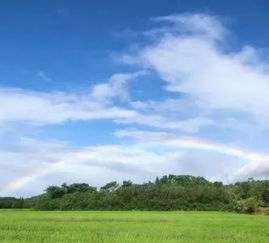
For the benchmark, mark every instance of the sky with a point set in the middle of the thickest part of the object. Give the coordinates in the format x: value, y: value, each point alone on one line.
x: 97, y: 91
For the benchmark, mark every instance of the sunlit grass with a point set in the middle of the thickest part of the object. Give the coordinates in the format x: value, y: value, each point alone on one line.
x: 77, y: 226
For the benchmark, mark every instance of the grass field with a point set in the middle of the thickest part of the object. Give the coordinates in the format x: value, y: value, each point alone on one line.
x: 33, y: 226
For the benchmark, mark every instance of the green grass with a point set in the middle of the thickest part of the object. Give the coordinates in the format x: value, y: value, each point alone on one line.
x: 142, y: 227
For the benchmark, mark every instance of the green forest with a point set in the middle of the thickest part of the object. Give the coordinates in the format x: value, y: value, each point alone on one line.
x: 172, y: 192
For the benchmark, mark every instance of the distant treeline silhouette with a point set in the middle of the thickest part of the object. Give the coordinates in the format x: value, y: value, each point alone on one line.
x: 172, y: 192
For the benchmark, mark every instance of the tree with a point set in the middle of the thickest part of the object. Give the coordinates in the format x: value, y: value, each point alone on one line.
x: 265, y: 195
x: 55, y: 192
x: 110, y: 187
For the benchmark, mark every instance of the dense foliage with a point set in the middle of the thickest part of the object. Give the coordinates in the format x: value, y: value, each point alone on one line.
x: 173, y: 192
x: 11, y: 202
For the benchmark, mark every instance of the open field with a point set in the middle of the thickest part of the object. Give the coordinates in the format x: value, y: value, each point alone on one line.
x: 78, y: 226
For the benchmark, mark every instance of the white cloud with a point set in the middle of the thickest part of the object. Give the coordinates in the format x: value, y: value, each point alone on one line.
x: 116, y: 87
x: 190, y: 125
x: 188, y: 54
x: 205, y: 25
x: 32, y: 161
x: 256, y: 169
x: 18, y: 105
x: 56, y: 107
x: 42, y: 108
x: 145, y: 156
x: 248, y: 163
x: 42, y: 75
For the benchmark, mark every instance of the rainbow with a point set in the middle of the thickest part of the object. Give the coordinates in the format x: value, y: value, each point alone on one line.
x: 190, y: 143
x: 164, y: 139
x: 154, y: 140
x: 30, y: 176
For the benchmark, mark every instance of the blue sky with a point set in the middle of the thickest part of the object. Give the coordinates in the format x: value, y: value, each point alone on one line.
x: 94, y: 91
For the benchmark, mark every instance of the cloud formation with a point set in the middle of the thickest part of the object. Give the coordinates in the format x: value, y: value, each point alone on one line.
x: 147, y: 155
x: 109, y: 101
x: 189, y: 53
x: 55, y: 107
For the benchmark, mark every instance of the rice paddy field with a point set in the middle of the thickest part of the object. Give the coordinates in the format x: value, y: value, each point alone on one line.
x: 84, y: 226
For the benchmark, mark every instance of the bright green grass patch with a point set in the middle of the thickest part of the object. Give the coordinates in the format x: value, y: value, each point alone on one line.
x: 78, y: 226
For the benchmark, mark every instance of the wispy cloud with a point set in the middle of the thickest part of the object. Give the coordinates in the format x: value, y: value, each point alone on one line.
x: 254, y: 164
x: 100, y: 102
x: 147, y: 156
x: 190, y: 54
x: 116, y: 87
x: 141, y: 158
x: 42, y: 75
x: 43, y: 108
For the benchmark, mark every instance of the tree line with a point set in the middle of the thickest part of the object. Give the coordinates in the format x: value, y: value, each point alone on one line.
x: 171, y: 192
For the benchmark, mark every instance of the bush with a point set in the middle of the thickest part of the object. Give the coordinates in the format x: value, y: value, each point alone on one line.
x: 248, y: 205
